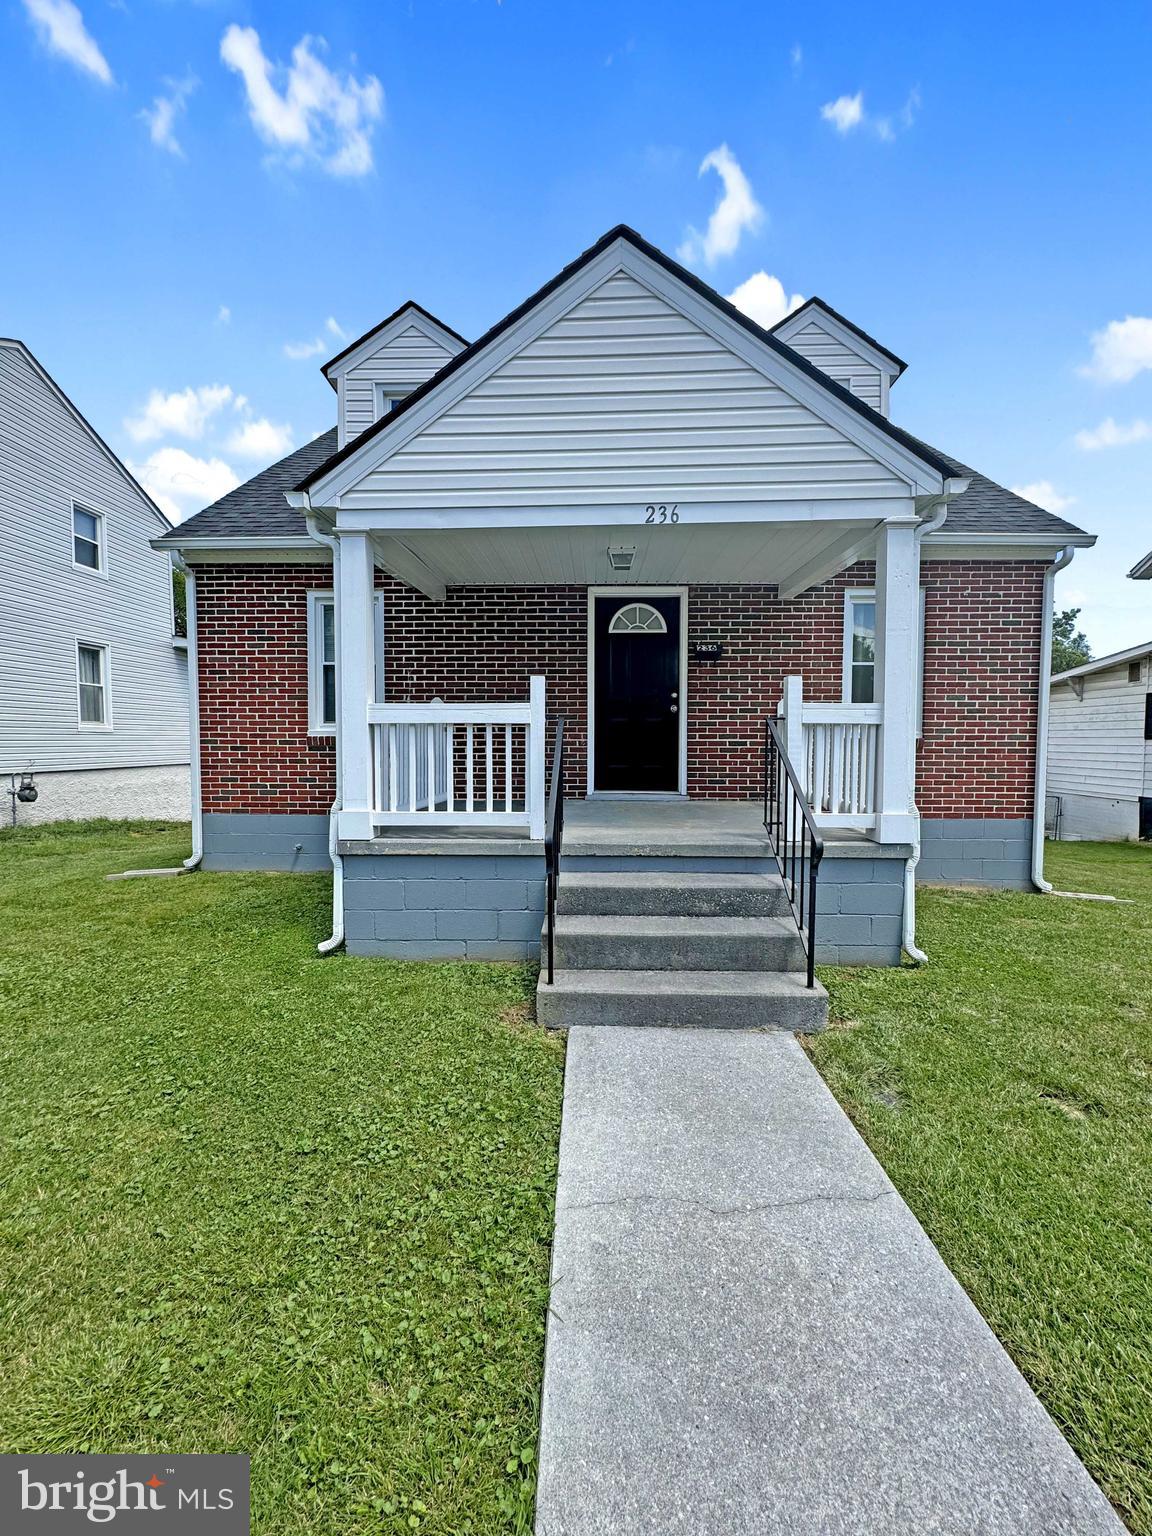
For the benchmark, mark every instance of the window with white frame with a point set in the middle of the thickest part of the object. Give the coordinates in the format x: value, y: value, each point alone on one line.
x: 860, y: 648
x: 323, y: 701
x: 92, y: 686
x: 860, y: 652
x: 87, y: 539
x: 388, y: 397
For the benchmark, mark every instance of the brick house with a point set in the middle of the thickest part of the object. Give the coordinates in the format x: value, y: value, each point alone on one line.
x: 628, y: 507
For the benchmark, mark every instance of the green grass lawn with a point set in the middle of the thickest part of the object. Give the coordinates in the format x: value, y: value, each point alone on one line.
x: 1007, y: 1089
x: 253, y: 1200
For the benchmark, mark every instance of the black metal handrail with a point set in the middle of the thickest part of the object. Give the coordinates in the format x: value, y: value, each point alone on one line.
x: 796, y: 842
x: 554, y: 838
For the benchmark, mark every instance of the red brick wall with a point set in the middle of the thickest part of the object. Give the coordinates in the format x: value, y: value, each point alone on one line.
x: 252, y: 637
x: 982, y: 627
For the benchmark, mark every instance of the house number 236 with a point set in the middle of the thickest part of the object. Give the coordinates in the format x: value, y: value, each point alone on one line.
x: 661, y: 514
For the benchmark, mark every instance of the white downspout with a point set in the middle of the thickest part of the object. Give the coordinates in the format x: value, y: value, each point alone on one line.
x: 193, y: 718
x: 908, y: 936
x: 326, y: 946
x: 1063, y: 559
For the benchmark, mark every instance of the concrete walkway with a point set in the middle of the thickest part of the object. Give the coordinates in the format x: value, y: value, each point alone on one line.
x: 749, y: 1331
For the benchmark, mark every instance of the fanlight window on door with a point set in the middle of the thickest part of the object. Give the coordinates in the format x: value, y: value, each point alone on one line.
x: 637, y: 619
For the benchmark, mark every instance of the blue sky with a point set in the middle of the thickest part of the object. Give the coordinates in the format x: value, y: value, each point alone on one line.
x: 199, y: 185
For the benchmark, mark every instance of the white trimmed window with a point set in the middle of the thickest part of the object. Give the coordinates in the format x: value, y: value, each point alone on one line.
x: 860, y: 648
x: 87, y: 539
x: 388, y: 397
x: 860, y: 653
x: 323, y: 699
x: 92, y: 686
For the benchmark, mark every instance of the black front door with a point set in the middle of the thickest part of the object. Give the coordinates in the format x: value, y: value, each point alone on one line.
x: 637, y: 696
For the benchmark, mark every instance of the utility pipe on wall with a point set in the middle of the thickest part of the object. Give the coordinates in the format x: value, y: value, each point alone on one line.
x: 1064, y: 558
x: 908, y: 932
x: 193, y: 717
x: 326, y: 946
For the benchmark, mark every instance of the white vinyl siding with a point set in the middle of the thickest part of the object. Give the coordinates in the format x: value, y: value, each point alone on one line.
x: 832, y: 357
x: 48, y: 459
x: 403, y: 363
x: 624, y: 399
x: 1096, y: 743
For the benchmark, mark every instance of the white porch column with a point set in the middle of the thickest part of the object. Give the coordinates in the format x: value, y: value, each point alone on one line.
x: 897, y: 622
x: 792, y: 711
x: 355, y: 657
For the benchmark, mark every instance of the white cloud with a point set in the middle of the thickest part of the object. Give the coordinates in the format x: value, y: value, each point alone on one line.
x: 318, y: 114
x: 162, y: 114
x: 180, y: 483
x: 736, y: 211
x: 845, y: 113
x: 185, y: 412
x: 261, y: 439
x: 333, y: 329
x: 1120, y: 351
x: 223, y: 315
x: 298, y: 350
x: 60, y: 27
x: 1113, y: 434
x: 797, y: 57
x: 764, y: 298
x: 1044, y: 494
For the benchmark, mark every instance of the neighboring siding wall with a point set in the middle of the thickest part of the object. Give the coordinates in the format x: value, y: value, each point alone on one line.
x: 403, y: 363
x: 983, y: 621
x: 977, y: 757
x: 47, y: 459
x: 838, y: 361
x: 1096, y: 743
x: 623, y: 400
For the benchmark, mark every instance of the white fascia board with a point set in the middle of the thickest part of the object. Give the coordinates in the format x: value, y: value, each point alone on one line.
x: 1102, y: 663
x: 626, y: 515
x: 818, y: 315
x: 622, y: 256
x: 957, y: 545
x: 376, y: 341
x: 221, y: 541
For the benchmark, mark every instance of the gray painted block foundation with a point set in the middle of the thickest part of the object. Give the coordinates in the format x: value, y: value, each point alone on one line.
x: 443, y: 906
x: 972, y: 851
x: 859, y: 911
x: 252, y: 841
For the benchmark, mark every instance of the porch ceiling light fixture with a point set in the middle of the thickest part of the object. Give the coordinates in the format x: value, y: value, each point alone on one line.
x: 621, y: 556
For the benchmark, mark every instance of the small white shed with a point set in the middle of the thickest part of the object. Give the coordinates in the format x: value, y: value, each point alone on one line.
x: 1100, y: 749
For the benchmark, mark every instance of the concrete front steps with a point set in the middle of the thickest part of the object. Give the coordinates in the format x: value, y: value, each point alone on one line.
x: 679, y: 949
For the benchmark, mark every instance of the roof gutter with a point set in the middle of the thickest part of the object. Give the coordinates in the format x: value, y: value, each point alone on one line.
x: 327, y: 946
x: 1063, y: 559
x: 931, y: 524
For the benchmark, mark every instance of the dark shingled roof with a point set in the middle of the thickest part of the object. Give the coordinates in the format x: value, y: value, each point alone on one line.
x: 258, y: 509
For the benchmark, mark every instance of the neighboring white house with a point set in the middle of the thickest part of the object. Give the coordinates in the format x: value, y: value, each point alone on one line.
x: 93, y: 680
x: 1100, y: 748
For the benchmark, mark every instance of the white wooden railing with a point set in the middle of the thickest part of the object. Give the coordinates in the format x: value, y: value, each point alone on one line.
x: 834, y: 749
x: 459, y: 765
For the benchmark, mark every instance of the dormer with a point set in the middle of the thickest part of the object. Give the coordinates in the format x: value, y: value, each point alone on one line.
x: 841, y: 350
x: 373, y: 374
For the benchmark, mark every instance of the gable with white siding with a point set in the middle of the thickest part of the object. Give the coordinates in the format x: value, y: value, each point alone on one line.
x: 402, y: 363
x: 840, y: 362
x: 48, y: 458
x: 623, y: 397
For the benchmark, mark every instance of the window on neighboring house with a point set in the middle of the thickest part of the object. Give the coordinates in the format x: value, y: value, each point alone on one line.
x: 323, y: 702
x: 87, y: 539
x: 387, y: 399
x: 1133, y: 671
x: 860, y: 648
x: 92, y: 685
